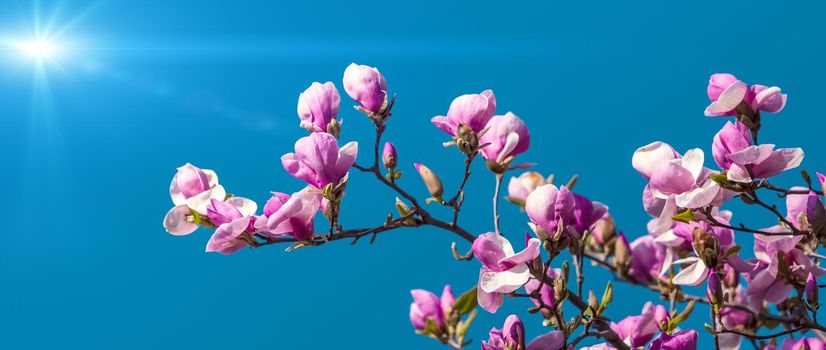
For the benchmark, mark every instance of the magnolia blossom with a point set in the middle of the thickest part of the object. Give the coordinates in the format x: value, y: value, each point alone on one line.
x: 554, y: 340
x: 761, y: 161
x: 226, y: 239
x: 801, y: 207
x: 765, y: 281
x: 293, y: 217
x: 682, y: 340
x: 636, y: 331
x: 695, y: 270
x: 675, y: 182
x: 426, y: 306
x: 472, y: 110
x: 511, y: 336
x: 520, y: 187
x: 548, y: 206
x: 726, y: 92
x: 507, y: 136
x: 191, y: 190
x: 732, y: 138
x: 365, y: 85
x: 503, y: 270
x: 233, y: 217
x: 803, y: 344
x: 648, y: 259
x: 587, y: 213
x: 318, y: 160
x: 318, y: 105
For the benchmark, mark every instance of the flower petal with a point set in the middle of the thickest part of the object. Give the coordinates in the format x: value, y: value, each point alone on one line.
x: 175, y: 221
x: 692, y: 275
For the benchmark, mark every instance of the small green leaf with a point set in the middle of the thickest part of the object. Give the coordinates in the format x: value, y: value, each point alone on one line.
x: 685, y: 216
x: 733, y: 250
x: 608, y: 295
x: 466, y: 302
x: 710, y: 329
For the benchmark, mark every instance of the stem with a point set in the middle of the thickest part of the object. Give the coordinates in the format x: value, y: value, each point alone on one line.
x: 714, y: 324
x: 496, y: 203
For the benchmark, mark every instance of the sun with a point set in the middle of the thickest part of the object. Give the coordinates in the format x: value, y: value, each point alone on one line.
x: 38, y: 49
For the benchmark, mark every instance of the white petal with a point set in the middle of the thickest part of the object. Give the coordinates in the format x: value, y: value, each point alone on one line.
x: 664, y: 221
x: 729, y: 98
x: 505, y: 281
x: 667, y: 262
x: 175, y: 192
x: 647, y: 157
x: 692, y: 275
x: 175, y: 221
x: 200, y: 202
x: 510, y: 144
x: 693, y: 162
x: 699, y: 197
x: 246, y: 206
x: 738, y: 173
x: 212, y: 176
x: 669, y: 239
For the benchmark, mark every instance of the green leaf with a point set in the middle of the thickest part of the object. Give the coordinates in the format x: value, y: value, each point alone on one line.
x: 682, y: 316
x: 466, y: 302
x: 685, y: 216
x: 710, y: 329
x: 733, y: 250
x: 464, y: 325
x: 719, y: 178
x: 608, y: 295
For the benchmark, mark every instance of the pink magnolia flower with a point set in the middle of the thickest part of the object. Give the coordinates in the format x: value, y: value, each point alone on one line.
x: 520, y: 187
x: 732, y: 138
x: 503, y: 270
x: 765, y: 281
x: 682, y: 340
x: 762, y: 161
x: 511, y: 336
x: 547, y: 206
x: 554, y: 340
x: 230, y: 216
x: 276, y: 201
x: 726, y: 92
x: 507, y: 136
x: 636, y: 331
x: 427, y: 306
x: 648, y: 259
x: 293, y: 217
x: 365, y: 85
x: 226, y: 239
x: 472, y: 110
x: 587, y: 213
x: 801, y: 206
x: 191, y: 189
x: 695, y: 271
x: 318, y: 105
x: 318, y: 160
x: 803, y: 344
x: 647, y: 157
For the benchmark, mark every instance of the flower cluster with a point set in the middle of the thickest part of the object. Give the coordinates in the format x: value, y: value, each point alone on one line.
x: 688, y: 242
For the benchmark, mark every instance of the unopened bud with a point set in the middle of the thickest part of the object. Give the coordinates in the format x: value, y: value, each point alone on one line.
x: 604, y: 229
x: 431, y: 180
x: 622, y: 254
x: 662, y: 318
x: 466, y: 139
x: 706, y: 246
x: 334, y: 128
x: 812, y: 291
x: 389, y: 156
x: 714, y: 290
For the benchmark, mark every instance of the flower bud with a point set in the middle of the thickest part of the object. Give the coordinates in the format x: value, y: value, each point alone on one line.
x: 812, y: 290
x: 191, y: 180
x: 714, y: 290
x: 622, y: 254
x: 431, y: 180
x: 506, y: 136
x: 388, y: 155
x: 718, y: 83
x: 706, y: 246
x: 317, y: 106
x: 604, y: 229
x: 334, y: 128
x: 466, y: 139
x: 661, y: 318
x: 426, y: 306
x: 366, y: 86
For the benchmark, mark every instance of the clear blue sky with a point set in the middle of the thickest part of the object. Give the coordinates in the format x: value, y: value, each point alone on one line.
x: 143, y: 88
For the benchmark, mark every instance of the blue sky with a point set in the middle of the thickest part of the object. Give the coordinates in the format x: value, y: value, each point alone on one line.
x: 91, y: 141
